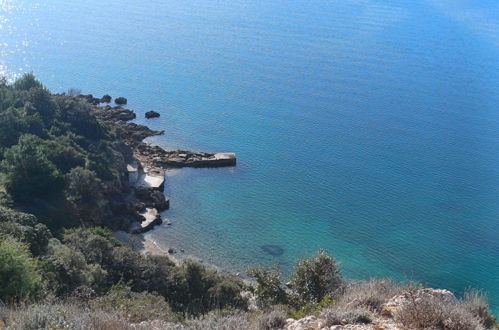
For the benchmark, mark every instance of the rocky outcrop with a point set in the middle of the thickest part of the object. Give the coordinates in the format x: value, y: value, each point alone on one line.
x: 158, y: 157
x: 152, y: 114
x: 109, y: 113
x: 144, y: 172
x: 151, y: 218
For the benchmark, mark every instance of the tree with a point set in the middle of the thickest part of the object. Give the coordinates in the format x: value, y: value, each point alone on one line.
x: 84, y: 192
x: 19, y: 276
x: 27, y: 82
x: 317, y: 277
x: 69, y: 269
x: 27, y: 172
x: 269, y: 288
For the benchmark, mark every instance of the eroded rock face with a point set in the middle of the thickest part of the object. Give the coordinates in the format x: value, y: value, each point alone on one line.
x: 392, y: 306
x: 152, y: 114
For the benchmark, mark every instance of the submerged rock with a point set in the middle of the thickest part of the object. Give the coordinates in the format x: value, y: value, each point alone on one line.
x: 273, y: 250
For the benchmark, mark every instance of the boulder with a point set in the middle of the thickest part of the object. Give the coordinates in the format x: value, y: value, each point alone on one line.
x: 106, y: 99
x: 160, y: 201
x: 120, y: 100
x: 152, y: 114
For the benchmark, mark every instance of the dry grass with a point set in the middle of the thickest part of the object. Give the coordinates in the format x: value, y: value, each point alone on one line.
x: 371, y: 294
x: 476, y: 303
x: 62, y: 317
x: 431, y: 312
x: 343, y: 315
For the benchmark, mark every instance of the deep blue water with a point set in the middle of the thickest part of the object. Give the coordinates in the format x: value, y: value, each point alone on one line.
x: 369, y: 128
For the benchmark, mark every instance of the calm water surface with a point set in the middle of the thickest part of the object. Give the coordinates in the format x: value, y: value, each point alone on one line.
x: 369, y: 128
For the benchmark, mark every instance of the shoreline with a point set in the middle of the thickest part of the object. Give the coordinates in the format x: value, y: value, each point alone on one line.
x: 146, y: 167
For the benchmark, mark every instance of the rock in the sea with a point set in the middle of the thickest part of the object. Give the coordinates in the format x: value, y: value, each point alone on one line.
x: 120, y: 100
x: 106, y: 99
x: 160, y: 201
x: 152, y: 114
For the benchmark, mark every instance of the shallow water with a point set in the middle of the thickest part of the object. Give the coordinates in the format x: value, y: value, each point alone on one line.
x: 369, y: 128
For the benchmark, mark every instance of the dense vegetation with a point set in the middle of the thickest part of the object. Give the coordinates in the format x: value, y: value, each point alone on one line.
x: 61, y: 267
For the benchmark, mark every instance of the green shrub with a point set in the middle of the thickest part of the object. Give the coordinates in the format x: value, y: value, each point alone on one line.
x: 67, y: 269
x: 269, y: 289
x: 64, y: 316
x: 135, y: 306
x: 27, y: 172
x: 19, y: 276
x: 317, y: 277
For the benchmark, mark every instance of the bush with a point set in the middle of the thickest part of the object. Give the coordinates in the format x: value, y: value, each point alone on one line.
x: 68, y: 269
x: 19, y: 276
x: 476, y: 303
x: 273, y: 319
x: 27, y: 172
x: 317, y: 277
x: 371, y: 294
x: 222, y: 321
x: 25, y: 228
x: 60, y: 316
x: 345, y: 315
x: 135, y: 306
x: 269, y: 290
x: 428, y: 311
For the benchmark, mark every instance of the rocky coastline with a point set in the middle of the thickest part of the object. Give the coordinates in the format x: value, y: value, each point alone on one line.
x: 145, y: 165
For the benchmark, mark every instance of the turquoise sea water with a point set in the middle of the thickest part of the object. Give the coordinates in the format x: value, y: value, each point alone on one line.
x: 369, y: 128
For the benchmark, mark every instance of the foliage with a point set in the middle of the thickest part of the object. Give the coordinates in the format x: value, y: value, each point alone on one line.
x: 269, y: 289
x: 84, y: 192
x: 311, y: 308
x: 25, y: 228
x: 476, y: 303
x: 19, y: 276
x: 317, y: 277
x: 67, y: 269
x: 135, y: 306
x: 64, y: 316
x: 431, y: 312
x: 370, y: 294
x: 272, y: 319
x: 27, y: 172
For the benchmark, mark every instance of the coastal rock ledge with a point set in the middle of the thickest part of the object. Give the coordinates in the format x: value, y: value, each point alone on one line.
x: 146, y: 164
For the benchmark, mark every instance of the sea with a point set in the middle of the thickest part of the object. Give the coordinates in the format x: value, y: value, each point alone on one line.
x: 368, y: 128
